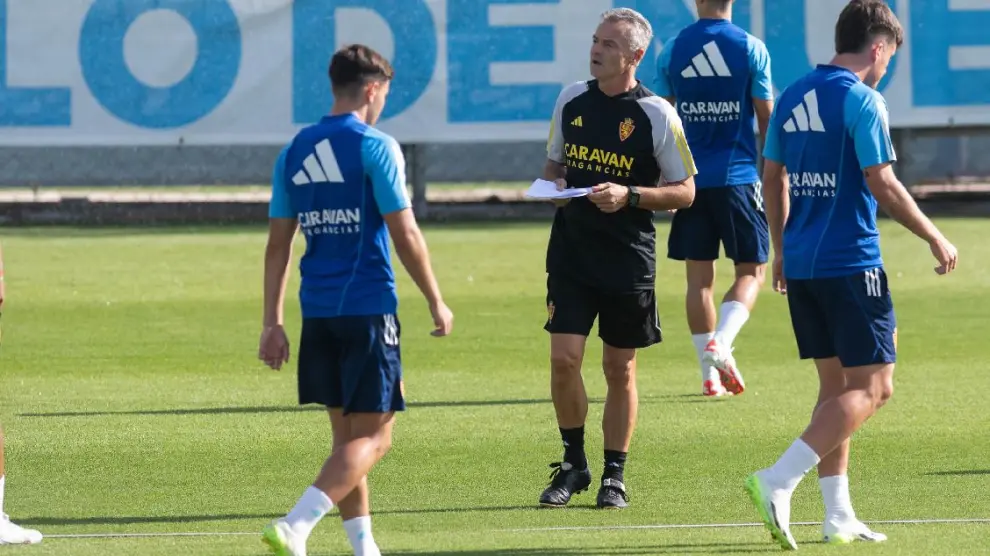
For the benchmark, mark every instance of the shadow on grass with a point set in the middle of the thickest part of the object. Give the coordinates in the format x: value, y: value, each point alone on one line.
x: 50, y: 521
x: 683, y: 398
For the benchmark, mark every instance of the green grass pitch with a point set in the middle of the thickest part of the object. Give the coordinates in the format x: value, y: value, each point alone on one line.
x: 134, y: 404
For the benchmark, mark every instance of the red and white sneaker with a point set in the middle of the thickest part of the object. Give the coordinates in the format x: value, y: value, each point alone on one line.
x: 713, y: 389
x: 720, y: 357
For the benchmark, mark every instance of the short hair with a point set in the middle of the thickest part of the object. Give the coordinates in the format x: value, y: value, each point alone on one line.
x: 863, y: 20
x: 356, y: 65
x: 641, y: 32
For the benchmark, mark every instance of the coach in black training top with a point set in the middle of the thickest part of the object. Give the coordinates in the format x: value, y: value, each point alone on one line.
x: 616, y: 136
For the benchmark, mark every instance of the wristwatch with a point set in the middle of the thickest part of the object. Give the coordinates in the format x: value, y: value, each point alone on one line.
x: 633, y: 196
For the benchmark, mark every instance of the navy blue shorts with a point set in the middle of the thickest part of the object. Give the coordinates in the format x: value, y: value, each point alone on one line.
x: 849, y: 317
x: 351, y: 362
x: 732, y: 216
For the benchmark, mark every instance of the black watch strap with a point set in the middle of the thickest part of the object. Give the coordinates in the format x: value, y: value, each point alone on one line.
x: 633, y: 196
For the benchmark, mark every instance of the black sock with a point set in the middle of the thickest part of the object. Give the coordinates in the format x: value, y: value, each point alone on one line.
x: 615, y: 464
x: 574, y: 447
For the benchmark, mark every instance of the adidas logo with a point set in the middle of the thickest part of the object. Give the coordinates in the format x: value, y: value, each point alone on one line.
x: 577, y: 122
x: 805, y: 115
x: 320, y: 167
x: 712, y: 66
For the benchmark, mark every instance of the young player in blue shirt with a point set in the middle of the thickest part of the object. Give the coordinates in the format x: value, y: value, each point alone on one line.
x: 718, y: 77
x: 342, y: 183
x: 828, y: 165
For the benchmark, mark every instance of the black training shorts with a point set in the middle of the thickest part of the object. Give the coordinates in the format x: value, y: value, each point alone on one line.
x: 625, y: 320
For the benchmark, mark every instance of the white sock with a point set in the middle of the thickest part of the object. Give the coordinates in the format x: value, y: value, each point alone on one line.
x: 700, y: 342
x: 792, y: 466
x: 359, y: 533
x: 835, y: 492
x: 732, y: 316
x: 3, y: 480
x: 309, y: 510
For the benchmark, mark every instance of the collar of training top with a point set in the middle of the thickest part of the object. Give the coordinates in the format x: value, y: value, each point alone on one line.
x: 633, y: 93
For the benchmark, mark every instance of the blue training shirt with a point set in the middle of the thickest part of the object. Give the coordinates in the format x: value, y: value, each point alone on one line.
x: 338, y: 177
x: 826, y: 129
x: 714, y: 69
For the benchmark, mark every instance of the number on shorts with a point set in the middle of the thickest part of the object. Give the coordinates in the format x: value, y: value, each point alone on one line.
x: 391, y: 334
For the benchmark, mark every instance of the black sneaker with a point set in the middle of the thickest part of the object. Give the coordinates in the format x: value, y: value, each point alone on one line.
x: 565, y: 481
x: 612, y: 495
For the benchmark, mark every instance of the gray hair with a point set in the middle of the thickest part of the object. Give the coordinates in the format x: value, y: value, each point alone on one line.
x: 641, y: 32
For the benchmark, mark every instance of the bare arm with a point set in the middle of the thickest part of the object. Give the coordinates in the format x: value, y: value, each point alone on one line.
x: 413, y: 253
x: 669, y: 196
x: 278, y: 253
x: 776, y: 201
x: 895, y: 200
x: 554, y: 170
x: 763, y: 108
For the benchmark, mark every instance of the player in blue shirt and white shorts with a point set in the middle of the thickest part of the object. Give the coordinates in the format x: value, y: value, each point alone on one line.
x: 718, y: 77
x: 342, y: 183
x: 828, y: 165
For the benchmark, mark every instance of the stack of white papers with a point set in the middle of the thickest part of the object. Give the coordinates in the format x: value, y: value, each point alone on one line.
x: 543, y: 189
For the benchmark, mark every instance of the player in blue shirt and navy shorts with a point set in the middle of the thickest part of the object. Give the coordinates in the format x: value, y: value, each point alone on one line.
x: 828, y: 165
x: 342, y: 183
x: 718, y: 77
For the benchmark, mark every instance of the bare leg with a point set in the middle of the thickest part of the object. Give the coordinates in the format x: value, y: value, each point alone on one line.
x: 356, y: 503
x: 370, y: 439
x: 621, y: 401
x: 700, y: 306
x: 699, y: 301
x: 836, y: 419
x: 355, y: 510
x: 570, y: 400
x: 832, y: 382
x: 746, y: 288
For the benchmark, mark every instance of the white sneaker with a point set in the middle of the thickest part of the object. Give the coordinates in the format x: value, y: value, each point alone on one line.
x: 11, y: 533
x: 282, y: 540
x: 719, y: 356
x: 774, y: 507
x: 844, y: 531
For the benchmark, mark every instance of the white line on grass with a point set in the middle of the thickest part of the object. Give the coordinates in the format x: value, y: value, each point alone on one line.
x: 530, y: 529
x: 727, y: 525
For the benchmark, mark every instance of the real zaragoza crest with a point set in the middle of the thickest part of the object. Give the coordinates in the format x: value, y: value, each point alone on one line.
x: 625, y: 129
